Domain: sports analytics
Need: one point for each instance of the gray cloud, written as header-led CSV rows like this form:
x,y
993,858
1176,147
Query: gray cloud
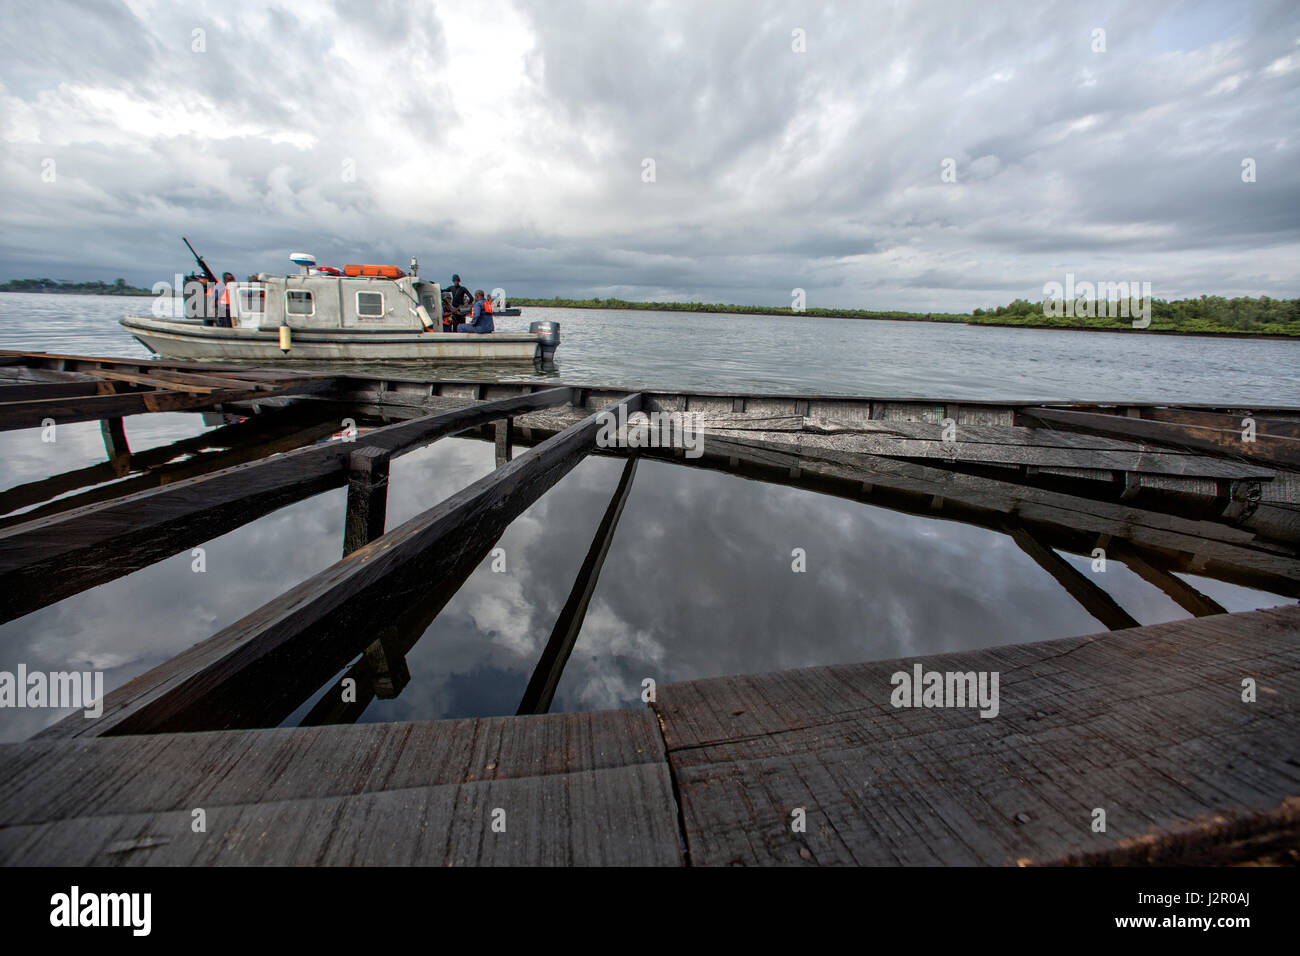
x,y
506,141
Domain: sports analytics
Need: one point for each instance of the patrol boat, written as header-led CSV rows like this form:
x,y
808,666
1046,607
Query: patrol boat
x,y
357,314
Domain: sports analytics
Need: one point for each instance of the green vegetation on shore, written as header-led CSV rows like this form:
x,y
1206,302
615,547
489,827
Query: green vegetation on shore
x,y
118,287
1208,315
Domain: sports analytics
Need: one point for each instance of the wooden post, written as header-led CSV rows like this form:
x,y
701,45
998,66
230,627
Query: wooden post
x,y
504,439
367,497
119,452
550,666
1182,593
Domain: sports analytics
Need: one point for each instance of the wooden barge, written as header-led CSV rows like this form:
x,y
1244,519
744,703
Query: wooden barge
x,y
1148,723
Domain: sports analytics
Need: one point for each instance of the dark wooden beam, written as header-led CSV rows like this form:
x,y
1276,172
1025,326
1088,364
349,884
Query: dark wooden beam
x,y
258,665
30,414
1094,600
47,559
550,666
1273,448
367,497
1182,593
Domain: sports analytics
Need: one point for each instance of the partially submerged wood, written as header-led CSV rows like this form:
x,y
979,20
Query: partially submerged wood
x,y
47,559
367,497
231,679
1087,592
550,665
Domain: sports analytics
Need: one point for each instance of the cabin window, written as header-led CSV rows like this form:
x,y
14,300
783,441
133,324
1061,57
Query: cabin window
x,y
252,300
299,302
370,305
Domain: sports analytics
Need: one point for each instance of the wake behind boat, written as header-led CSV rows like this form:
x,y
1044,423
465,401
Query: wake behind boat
x,y
359,313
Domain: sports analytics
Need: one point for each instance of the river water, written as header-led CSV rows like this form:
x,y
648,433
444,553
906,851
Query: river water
x,y
798,354
700,579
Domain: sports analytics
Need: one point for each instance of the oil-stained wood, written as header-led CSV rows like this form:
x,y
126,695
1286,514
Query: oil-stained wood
x,y
1146,724
45,560
576,789
550,665
315,628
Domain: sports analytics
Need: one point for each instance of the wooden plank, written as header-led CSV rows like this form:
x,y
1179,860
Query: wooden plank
x,y
315,628
1147,724
151,382
256,430
30,414
1278,427
45,560
44,390
1277,449
586,789
550,665
1084,590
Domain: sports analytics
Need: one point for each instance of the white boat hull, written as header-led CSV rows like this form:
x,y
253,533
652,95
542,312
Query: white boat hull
x,y
190,339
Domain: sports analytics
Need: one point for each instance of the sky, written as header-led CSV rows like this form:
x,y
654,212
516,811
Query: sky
x,y
936,156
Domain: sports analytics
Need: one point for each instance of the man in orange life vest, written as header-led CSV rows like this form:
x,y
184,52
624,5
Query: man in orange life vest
x,y
223,300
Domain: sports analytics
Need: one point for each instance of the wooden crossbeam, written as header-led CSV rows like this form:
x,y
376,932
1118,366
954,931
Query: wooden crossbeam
x,y
308,633
1084,590
31,414
45,560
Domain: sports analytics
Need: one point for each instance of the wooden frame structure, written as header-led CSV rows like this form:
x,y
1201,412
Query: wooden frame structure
x,y
1163,490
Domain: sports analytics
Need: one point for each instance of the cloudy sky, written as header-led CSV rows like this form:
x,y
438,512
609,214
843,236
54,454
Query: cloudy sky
x,y
510,142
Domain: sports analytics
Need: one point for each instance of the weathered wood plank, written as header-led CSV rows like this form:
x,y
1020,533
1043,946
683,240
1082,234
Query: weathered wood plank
x,y
587,789
550,665
1278,449
1147,724
45,560
315,628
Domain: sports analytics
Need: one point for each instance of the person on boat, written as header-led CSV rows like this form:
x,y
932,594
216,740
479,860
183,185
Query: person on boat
x,y
223,291
480,316
448,314
461,299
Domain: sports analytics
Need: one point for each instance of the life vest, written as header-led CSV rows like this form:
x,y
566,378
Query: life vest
x,y
487,306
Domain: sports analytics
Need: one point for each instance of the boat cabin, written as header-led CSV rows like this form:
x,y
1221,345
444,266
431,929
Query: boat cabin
x,y
359,297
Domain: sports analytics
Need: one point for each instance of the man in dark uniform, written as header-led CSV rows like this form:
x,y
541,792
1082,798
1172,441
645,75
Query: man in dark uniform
x,y
461,298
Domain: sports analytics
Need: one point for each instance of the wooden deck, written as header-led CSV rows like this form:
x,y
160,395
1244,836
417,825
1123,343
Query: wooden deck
x,y
1146,724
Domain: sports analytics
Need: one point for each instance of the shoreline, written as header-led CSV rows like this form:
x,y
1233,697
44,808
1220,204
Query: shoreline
x,y
949,318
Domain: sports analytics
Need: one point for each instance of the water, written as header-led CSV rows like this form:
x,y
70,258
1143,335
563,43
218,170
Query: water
x,y
797,354
698,581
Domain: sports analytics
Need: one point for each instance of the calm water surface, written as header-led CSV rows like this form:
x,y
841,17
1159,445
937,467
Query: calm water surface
x,y
797,354
698,580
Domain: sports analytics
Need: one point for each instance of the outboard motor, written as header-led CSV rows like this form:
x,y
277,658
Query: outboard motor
x,y
549,337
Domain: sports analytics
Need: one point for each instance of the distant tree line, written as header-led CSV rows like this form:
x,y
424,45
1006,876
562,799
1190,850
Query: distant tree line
x,y
1210,314
117,287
